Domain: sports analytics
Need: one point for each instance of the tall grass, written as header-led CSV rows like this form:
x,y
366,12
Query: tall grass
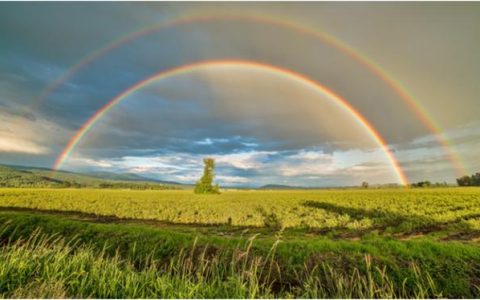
x,y
327,282
46,266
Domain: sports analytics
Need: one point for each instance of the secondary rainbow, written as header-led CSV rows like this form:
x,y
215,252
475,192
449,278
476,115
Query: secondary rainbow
x,y
286,73
407,97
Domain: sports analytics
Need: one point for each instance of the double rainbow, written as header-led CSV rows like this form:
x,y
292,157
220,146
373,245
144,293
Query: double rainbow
x,y
354,54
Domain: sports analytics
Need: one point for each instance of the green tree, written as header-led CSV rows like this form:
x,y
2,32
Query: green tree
x,y
205,184
473,180
422,184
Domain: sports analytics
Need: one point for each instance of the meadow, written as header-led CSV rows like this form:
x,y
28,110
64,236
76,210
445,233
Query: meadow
x,y
364,243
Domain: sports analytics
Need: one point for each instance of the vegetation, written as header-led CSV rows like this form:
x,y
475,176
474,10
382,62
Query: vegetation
x,y
473,180
317,243
135,186
111,260
43,178
391,211
422,184
205,184
50,267
10,177
428,184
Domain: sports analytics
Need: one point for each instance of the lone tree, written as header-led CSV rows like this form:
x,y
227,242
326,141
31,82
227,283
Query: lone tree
x,y
205,184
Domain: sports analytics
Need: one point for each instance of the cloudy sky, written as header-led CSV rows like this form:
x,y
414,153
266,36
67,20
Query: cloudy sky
x,y
260,126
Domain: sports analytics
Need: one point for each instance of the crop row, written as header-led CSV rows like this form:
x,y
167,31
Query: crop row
x,y
401,210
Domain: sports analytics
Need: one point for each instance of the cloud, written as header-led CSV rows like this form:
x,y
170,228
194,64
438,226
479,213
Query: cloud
x,y
18,111
424,158
21,134
219,119
133,62
229,180
307,163
90,162
18,145
256,123
244,160
251,168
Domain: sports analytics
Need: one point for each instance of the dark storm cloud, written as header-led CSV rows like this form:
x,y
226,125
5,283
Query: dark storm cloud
x,y
17,111
192,126
131,63
60,33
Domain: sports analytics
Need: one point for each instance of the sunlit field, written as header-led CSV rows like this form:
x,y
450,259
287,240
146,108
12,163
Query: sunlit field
x,y
395,210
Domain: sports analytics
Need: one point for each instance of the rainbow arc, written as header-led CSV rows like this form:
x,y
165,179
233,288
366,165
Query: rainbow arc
x,y
286,73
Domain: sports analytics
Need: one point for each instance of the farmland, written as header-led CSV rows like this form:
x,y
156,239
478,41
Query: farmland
x,y
395,210
321,243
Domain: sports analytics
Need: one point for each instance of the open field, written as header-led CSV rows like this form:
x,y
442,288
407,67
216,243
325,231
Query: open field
x,y
326,243
398,211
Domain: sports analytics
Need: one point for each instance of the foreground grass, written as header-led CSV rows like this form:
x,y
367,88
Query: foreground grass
x,y
48,266
72,258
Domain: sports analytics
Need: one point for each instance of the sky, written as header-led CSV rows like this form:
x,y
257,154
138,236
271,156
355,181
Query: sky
x,y
262,111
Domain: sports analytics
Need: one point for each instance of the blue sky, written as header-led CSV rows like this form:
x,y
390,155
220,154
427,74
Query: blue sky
x,y
260,128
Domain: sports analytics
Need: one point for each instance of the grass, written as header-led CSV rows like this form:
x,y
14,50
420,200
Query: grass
x,y
452,266
51,266
313,244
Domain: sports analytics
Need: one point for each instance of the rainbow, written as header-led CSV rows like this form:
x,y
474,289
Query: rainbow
x,y
289,74
404,94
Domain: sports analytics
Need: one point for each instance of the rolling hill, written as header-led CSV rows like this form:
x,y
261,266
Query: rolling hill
x,y
24,176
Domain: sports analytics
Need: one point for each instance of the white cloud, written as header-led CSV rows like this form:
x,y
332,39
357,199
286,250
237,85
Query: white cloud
x,y
303,167
244,160
81,161
27,134
185,178
232,179
9,143
307,163
311,155
210,141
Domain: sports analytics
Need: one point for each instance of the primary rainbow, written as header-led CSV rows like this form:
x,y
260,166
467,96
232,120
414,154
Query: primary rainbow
x,y
88,125
404,94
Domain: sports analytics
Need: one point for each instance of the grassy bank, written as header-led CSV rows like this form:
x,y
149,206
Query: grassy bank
x,y
299,267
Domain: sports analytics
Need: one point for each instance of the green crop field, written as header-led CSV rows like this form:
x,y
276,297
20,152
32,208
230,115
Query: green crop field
x,y
395,210
302,243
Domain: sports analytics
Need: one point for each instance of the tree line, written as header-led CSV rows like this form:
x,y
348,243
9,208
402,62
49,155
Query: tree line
x,y
473,180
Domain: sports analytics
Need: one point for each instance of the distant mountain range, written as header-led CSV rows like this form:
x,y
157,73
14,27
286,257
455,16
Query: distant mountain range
x,y
127,177
24,176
